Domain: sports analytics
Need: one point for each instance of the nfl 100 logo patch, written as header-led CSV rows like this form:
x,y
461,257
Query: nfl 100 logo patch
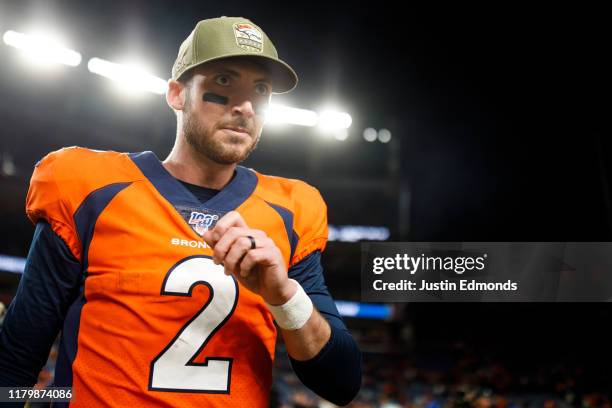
x,y
201,222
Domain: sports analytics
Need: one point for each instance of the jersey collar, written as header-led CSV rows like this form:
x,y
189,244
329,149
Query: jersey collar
x,y
228,199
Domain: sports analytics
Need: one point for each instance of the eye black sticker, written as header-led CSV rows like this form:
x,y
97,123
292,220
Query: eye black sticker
x,y
215,98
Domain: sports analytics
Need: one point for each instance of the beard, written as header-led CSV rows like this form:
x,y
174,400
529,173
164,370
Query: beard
x,y
227,150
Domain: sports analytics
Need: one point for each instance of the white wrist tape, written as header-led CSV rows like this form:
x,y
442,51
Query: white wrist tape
x,y
293,314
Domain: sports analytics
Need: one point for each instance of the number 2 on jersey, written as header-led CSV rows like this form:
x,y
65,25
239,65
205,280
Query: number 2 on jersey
x,y
174,369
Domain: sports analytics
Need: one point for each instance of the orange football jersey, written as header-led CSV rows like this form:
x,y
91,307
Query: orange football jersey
x,y
156,323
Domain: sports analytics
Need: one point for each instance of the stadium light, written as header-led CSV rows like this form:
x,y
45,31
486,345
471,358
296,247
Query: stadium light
x,y
370,134
8,166
341,134
354,233
331,120
330,123
12,263
384,136
42,49
364,310
131,77
280,114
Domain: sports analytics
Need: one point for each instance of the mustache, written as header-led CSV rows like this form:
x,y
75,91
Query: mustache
x,y
238,123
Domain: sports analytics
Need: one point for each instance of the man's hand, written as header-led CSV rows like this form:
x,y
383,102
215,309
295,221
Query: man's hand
x,y
261,270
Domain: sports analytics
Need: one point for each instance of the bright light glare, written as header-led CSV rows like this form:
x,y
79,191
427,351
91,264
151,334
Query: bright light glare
x,y
280,114
330,120
341,134
42,49
384,136
130,76
354,233
370,134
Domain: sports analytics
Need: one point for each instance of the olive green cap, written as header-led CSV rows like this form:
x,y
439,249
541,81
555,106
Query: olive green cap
x,y
225,37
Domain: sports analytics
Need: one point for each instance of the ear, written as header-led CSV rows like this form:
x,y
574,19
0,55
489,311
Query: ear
x,y
175,95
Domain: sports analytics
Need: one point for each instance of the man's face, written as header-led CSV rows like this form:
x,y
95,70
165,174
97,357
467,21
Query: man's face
x,y
226,133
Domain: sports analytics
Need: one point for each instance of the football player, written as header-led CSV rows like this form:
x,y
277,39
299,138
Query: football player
x,y
166,278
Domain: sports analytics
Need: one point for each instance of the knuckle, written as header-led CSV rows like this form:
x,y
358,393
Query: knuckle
x,y
218,251
234,216
246,263
228,216
229,262
251,257
245,243
218,231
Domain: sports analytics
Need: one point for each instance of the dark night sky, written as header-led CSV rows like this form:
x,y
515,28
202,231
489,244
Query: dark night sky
x,y
499,109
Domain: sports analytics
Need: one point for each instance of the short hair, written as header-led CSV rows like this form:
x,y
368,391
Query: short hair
x,y
187,76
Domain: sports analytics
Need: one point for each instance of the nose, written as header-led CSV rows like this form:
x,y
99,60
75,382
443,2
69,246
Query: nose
x,y
244,108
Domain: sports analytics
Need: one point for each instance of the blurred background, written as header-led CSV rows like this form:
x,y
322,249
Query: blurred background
x,y
420,123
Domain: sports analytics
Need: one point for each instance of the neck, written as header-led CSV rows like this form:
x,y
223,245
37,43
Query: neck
x,y
192,167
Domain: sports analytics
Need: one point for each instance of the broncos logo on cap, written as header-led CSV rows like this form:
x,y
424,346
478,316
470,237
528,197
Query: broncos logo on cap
x,y
248,37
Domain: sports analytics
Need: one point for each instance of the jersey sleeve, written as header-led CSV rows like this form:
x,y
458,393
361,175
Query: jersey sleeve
x,y
47,198
309,274
310,221
340,357
47,288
